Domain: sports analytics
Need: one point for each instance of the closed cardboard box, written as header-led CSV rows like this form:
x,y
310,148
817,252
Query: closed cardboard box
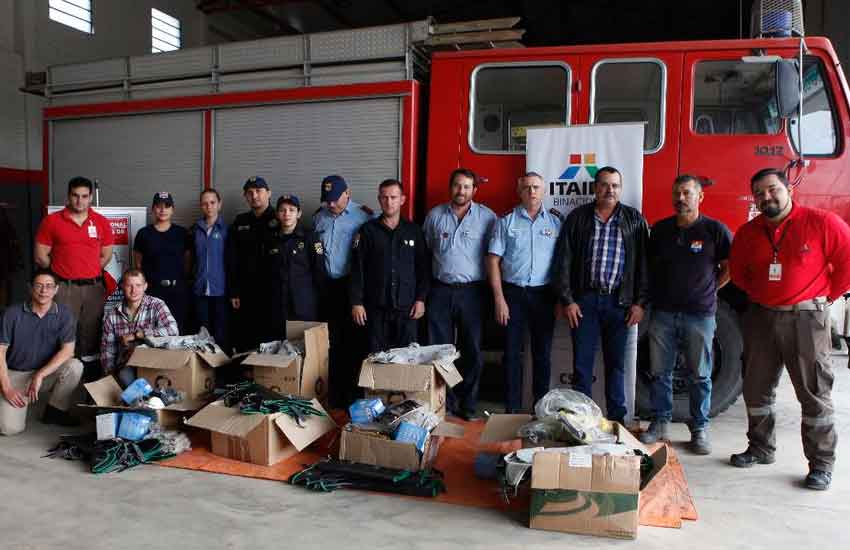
x,y
580,493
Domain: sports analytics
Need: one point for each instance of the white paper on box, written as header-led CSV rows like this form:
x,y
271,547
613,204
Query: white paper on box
x,y
107,426
580,460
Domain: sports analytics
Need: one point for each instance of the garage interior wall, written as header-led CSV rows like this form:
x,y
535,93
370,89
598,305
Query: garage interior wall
x,y
294,146
132,157
30,41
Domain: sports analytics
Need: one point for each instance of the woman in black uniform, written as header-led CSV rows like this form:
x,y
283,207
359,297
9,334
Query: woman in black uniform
x,y
161,251
297,263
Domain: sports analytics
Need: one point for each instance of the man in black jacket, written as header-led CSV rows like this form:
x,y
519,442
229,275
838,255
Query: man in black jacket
x,y
248,278
603,284
390,273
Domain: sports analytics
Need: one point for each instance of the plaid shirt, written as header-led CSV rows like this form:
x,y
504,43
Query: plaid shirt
x,y
152,318
607,253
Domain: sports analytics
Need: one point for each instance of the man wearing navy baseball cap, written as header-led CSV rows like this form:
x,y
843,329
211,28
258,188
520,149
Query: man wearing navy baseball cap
x,y
336,223
248,274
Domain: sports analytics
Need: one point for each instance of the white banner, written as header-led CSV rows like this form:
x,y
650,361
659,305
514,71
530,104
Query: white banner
x,y
569,157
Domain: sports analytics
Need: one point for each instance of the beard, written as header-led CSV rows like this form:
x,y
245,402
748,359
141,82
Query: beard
x,y
771,209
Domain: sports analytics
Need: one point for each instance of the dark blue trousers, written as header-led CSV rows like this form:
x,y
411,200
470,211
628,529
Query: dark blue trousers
x,y
602,317
459,309
532,308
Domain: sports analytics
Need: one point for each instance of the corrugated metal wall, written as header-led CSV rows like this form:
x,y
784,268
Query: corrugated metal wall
x,y
132,157
293,146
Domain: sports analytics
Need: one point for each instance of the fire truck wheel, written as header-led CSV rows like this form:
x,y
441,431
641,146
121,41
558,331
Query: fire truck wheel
x,y
726,374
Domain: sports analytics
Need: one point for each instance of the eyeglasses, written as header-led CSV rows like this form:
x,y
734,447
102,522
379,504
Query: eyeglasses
x,y
43,286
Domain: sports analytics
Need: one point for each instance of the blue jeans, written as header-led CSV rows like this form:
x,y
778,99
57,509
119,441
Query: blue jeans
x,y
459,309
692,336
532,307
602,317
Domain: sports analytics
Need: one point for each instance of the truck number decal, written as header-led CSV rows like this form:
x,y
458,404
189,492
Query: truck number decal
x,y
769,150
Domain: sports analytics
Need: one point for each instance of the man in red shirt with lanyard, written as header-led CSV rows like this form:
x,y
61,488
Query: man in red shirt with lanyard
x,y
793,262
76,243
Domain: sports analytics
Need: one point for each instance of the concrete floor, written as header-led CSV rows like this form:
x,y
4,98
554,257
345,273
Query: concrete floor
x,y
57,504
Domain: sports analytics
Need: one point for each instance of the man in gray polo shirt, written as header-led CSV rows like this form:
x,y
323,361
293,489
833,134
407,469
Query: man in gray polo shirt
x,y
37,353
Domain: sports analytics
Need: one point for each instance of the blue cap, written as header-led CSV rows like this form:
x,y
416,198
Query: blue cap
x,y
288,199
255,182
332,188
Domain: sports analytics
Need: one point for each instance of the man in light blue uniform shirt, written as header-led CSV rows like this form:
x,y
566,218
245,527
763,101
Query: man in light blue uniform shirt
x,y
336,223
457,234
519,267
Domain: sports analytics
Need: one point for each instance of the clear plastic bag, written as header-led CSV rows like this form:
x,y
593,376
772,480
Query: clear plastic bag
x,y
569,416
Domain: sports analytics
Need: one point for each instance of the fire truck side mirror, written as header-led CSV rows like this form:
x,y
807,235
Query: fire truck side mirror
x,y
787,87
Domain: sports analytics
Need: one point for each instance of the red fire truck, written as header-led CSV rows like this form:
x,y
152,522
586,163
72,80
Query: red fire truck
x,y
294,109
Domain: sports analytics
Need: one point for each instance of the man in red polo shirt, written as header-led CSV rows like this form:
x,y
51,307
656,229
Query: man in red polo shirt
x,y
76,243
793,262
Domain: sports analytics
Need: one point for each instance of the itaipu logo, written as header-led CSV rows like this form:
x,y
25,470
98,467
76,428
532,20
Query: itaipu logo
x,y
574,187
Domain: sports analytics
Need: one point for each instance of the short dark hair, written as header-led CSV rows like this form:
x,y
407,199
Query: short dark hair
x,y
465,172
80,181
765,172
133,272
389,182
44,271
532,174
211,190
607,170
685,178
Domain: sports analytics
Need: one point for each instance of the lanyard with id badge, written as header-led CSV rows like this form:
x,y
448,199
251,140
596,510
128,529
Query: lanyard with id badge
x,y
774,271
92,230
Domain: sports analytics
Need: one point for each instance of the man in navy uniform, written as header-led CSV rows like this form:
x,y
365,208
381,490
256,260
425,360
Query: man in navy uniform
x,y
248,277
457,233
390,273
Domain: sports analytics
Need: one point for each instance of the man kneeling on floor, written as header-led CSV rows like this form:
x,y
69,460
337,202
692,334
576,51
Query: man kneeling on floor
x,y
129,323
37,353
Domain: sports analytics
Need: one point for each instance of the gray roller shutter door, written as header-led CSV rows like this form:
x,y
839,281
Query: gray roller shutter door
x,y
132,157
293,146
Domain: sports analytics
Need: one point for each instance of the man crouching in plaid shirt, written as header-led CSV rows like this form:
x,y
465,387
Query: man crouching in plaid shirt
x,y
127,324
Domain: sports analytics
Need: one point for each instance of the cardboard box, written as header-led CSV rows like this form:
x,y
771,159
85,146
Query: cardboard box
x,y
307,376
395,382
106,394
578,493
364,449
188,371
262,439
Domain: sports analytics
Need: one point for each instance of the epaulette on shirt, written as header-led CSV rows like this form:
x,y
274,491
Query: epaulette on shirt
x,y
317,210
557,213
366,209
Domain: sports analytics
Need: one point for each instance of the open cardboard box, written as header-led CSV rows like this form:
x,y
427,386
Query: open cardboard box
x,y
263,439
579,493
106,394
396,382
400,455
307,376
184,370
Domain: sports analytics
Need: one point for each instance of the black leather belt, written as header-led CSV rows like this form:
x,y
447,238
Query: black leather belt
x,y
470,284
604,291
166,283
82,282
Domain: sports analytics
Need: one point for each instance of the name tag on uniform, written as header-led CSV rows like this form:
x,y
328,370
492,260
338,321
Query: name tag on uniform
x,y
92,231
774,273
547,232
